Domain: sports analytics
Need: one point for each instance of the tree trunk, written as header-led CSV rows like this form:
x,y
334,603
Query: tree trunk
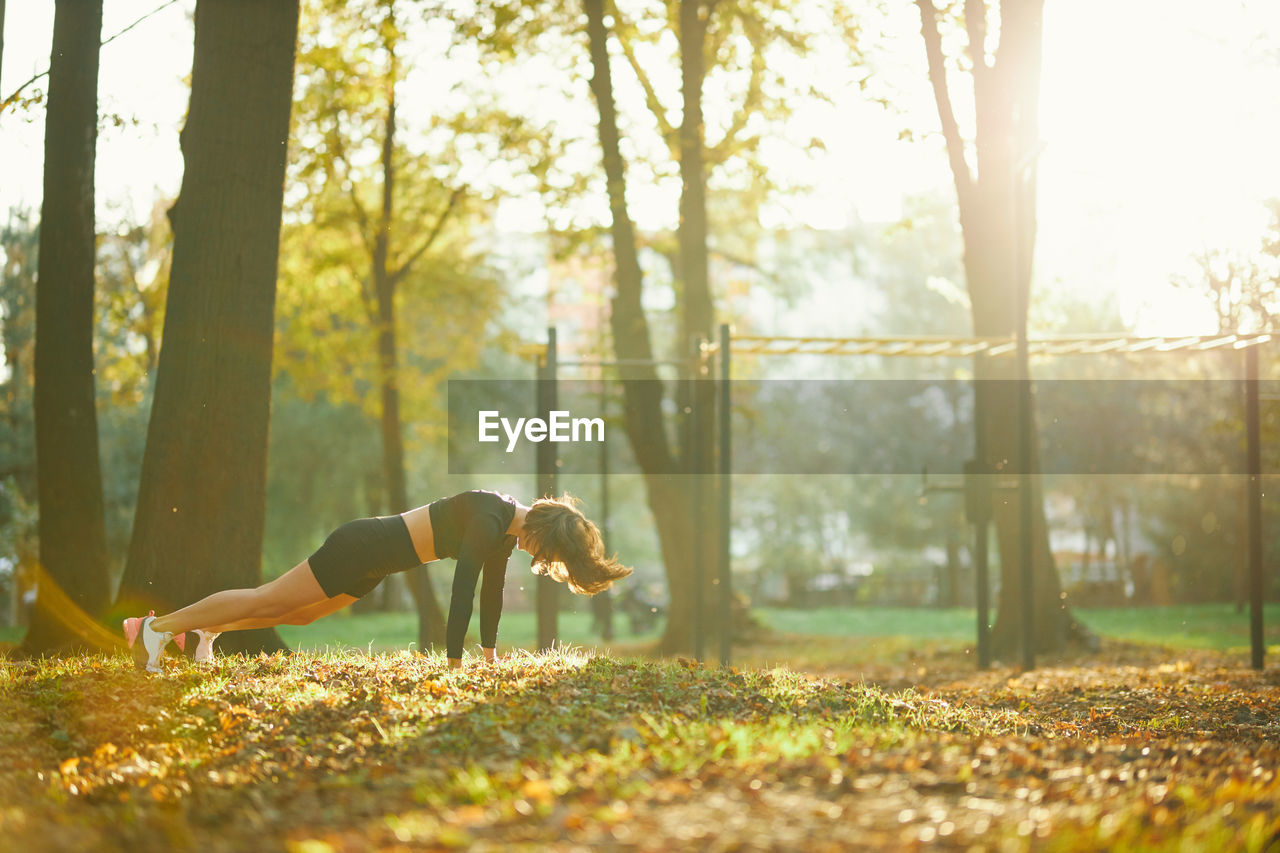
x,y
72,527
997,218
692,234
698,323
202,496
668,495
431,622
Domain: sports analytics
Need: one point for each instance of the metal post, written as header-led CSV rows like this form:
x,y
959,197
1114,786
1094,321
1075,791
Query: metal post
x,y
1026,521
1023,373
726,468
978,509
981,561
695,468
977,506
604,607
1257,643
547,589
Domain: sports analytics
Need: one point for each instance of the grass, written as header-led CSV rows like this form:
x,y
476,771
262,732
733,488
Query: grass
x,y
807,744
416,754
1199,626
943,624
1214,626
1192,626
567,750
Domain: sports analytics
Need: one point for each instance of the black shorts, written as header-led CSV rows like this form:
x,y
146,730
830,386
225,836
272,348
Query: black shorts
x,y
359,554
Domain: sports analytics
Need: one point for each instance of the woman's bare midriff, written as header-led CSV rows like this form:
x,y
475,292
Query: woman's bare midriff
x,y
419,523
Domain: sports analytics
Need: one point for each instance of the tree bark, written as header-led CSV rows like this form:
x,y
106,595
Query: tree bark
x,y
72,527
998,222
202,497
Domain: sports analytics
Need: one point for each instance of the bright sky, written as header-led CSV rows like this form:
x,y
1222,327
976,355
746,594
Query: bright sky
x,y
1160,122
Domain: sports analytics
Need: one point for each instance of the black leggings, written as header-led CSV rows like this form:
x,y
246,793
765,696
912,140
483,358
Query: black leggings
x,y
360,553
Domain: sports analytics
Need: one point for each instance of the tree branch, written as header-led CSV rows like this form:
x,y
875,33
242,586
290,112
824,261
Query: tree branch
x,y
362,218
665,128
338,157
975,24
369,301
744,262
404,269
18,91
938,79
718,153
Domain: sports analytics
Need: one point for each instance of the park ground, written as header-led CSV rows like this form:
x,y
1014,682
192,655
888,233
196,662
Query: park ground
x,y
874,735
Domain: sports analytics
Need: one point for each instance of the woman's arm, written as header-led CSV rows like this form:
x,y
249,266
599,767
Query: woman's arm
x,y
482,535
493,579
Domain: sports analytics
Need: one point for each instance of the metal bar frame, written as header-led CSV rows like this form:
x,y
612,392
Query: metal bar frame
x,y
928,346
934,346
547,590
1257,641
726,515
695,468
628,362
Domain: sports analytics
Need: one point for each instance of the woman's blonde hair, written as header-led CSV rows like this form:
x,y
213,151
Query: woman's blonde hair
x,y
566,546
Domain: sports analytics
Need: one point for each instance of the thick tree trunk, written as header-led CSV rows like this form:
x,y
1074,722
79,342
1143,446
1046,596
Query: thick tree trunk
x,y
201,501
73,544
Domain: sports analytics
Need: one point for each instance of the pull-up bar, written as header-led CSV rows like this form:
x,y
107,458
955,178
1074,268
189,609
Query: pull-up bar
x,y
628,362
934,346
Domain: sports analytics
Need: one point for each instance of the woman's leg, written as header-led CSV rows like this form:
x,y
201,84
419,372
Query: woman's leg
x,y
295,590
301,616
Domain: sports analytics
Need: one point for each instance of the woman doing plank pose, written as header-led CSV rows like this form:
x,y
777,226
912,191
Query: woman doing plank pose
x,y
478,528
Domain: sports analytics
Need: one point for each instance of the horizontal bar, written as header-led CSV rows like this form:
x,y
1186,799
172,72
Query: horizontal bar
x,y
937,345
627,362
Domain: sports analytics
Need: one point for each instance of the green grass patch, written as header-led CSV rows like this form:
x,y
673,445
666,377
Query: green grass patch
x,y
1190,626
946,624
1215,626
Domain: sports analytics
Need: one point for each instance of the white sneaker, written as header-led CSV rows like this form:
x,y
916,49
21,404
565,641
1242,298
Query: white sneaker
x,y
147,654
204,648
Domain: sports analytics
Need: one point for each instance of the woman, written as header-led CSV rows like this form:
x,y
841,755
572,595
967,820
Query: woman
x,y
478,528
